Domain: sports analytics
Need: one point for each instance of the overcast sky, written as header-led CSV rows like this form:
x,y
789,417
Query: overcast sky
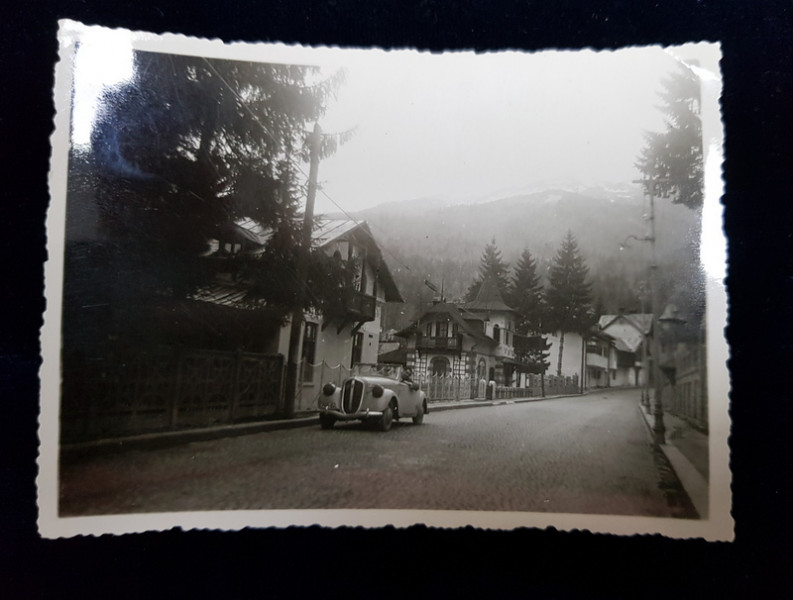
x,y
458,125
464,125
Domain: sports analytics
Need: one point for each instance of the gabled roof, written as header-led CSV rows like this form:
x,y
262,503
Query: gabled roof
x,y
226,294
328,231
324,233
628,330
488,298
622,346
642,322
453,313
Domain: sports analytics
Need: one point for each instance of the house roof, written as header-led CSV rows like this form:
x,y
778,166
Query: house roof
x,y
328,231
622,346
629,330
488,298
453,313
642,322
324,233
226,294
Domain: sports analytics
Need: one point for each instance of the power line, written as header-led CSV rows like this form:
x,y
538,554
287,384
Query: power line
x,y
297,166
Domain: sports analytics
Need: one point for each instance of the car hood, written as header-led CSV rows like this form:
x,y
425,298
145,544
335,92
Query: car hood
x,y
384,381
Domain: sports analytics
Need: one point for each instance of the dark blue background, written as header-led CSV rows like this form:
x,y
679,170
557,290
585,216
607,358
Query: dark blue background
x,y
757,106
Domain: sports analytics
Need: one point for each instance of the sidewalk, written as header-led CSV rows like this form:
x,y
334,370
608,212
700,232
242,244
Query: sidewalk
x,y
686,449
167,438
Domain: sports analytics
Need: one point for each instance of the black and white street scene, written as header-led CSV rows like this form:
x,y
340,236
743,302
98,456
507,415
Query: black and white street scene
x,y
432,285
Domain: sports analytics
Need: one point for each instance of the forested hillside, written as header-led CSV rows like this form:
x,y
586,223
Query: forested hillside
x,y
424,239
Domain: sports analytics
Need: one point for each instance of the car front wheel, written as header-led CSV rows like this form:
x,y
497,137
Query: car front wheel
x,y
388,418
326,421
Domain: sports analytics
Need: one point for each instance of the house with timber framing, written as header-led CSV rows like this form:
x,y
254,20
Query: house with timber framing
x,y
475,340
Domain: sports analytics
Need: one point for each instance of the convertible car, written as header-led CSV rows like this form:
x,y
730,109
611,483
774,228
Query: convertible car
x,y
374,394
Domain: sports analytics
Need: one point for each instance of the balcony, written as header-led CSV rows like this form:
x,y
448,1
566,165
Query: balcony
x,y
594,359
361,307
352,307
440,344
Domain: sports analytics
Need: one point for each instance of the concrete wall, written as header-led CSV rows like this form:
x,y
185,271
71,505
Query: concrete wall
x,y
571,354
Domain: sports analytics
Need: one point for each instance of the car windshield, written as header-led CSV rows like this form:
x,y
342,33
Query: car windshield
x,y
380,370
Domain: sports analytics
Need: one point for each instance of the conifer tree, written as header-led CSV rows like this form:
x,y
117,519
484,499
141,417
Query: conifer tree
x,y
675,156
568,297
491,264
526,294
185,149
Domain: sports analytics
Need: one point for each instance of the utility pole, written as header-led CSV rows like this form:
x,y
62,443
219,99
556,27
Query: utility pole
x,y
296,329
659,430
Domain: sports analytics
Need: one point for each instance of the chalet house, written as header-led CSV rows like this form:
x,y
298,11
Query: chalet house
x,y
627,363
331,344
601,360
475,339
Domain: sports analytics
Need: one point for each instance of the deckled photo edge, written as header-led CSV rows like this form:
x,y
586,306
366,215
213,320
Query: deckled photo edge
x,y
718,526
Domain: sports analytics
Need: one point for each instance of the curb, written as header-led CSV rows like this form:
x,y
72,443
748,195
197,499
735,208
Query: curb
x,y
694,484
480,403
171,438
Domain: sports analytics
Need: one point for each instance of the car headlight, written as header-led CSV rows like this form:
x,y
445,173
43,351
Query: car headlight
x,y
377,391
328,389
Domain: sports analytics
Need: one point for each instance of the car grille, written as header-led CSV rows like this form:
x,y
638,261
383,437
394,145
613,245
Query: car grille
x,y
351,396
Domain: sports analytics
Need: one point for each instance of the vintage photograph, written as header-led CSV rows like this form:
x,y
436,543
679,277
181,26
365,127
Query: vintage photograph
x,y
344,286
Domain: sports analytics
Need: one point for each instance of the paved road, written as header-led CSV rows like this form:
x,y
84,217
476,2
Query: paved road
x,y
587,454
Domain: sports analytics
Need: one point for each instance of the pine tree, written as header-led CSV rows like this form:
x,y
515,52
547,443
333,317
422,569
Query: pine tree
x,y
186,149
526,294
491,264
675,155
568,297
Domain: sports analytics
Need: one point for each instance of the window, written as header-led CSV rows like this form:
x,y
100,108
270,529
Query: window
x,y
497,334
439,366
309,351
429,330
357,349
443,329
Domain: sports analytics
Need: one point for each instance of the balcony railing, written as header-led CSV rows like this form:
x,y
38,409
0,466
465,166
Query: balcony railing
x,y
353,306
454,343
596,360
362,306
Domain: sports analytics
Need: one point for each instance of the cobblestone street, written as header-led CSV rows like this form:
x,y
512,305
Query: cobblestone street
x,y
587,454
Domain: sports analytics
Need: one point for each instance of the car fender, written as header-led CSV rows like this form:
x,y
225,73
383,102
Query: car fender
x,y
335,397
386,398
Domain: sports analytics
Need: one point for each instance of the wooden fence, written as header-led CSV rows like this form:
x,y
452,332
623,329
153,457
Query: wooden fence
x,y
166,389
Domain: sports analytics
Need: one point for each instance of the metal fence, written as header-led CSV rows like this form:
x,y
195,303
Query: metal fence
x,y
317,375
142,391
438,388
448,388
